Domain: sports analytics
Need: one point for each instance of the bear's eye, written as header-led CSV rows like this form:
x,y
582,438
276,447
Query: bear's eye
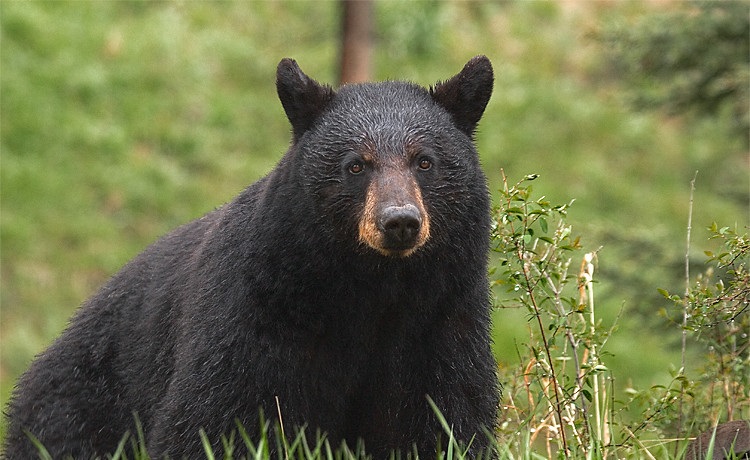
x,y
424,163
356,168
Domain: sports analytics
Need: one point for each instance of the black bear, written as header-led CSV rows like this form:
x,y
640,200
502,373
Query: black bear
x,y
343,291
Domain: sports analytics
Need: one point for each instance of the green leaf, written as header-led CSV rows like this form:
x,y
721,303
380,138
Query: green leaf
x,y
42,452
543,224
206,445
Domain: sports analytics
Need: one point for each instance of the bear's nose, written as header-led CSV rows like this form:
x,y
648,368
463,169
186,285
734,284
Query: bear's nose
x,y
400,226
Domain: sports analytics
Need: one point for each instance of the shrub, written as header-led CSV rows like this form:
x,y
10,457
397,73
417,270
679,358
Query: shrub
x,y
560,397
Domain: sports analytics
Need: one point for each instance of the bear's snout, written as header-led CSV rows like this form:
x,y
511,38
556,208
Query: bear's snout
x,y
394,221
400,226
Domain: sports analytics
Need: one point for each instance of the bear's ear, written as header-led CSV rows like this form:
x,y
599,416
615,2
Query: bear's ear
x,y
302,97
465,96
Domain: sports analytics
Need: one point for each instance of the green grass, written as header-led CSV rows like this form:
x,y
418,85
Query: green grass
x,y
121,120
271,444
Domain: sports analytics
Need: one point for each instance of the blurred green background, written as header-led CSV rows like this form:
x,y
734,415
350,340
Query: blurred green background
x,y
122,120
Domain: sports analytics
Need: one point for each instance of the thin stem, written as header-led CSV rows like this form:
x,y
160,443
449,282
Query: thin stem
x,y
558,404
538,315
587,276
578,393
685,312
281,424
687,270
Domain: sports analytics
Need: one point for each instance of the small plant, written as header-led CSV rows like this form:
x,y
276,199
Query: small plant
x,y
560,392
715,314
559,398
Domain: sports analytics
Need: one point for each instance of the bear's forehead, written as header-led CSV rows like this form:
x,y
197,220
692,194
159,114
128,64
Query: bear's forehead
x,y
386,99
395,91
387,108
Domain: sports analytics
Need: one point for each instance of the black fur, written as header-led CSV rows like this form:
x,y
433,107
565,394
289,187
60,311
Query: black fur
x,y
273,295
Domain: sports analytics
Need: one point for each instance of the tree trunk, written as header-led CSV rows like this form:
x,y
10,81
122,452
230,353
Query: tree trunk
x,y
356,41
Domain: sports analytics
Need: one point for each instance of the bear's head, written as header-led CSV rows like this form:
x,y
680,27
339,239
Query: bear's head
x,y
390,167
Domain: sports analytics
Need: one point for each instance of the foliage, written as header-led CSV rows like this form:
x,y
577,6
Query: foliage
x,y
693,59
558,393
560,397
716,314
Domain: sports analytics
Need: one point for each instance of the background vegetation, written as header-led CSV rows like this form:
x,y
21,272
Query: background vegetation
x,y
121,120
